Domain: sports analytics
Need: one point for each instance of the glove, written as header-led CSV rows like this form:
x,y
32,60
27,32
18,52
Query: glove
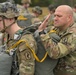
x,y
55,38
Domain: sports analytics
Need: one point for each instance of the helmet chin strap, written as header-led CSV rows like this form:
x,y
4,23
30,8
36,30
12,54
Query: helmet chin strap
x,y
5,27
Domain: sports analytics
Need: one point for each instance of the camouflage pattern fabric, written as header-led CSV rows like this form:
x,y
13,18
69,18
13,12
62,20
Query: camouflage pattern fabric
x,y
25,1
74,16
65,49
46,67
36,20
26,14
26,60
1,38
25,23
37,9
22,10
8,10
50,23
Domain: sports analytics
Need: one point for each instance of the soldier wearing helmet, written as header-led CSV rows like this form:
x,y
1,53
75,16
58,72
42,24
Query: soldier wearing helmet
x,y
7,13
7,10
25,5
25,16
51,10
11,1
16,44
25,1
37,11
74,9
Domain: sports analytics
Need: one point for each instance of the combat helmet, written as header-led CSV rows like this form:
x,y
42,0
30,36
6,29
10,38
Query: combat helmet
x,y
26,1
8,10
11,1
51,7
37,9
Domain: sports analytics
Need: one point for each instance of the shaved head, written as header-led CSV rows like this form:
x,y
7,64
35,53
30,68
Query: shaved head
x,y
63,17
66,9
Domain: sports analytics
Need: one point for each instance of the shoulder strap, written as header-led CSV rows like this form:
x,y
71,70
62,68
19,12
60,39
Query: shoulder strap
x,y
26,43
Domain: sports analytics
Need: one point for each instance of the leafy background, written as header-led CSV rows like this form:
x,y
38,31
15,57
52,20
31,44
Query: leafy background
x,y
47,2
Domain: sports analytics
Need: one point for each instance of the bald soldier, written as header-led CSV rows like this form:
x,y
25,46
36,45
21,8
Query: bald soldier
x,y
60,42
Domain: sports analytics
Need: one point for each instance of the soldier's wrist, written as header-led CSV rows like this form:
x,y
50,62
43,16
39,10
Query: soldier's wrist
x,y
42,32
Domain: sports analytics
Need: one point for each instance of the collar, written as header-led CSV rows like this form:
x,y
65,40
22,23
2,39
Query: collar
x,y
18,34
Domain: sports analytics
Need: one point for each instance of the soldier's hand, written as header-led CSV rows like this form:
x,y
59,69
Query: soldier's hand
x,y
54,37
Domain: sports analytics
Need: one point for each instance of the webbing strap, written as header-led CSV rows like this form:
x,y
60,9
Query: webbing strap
x,y
21,18
52,31
35,56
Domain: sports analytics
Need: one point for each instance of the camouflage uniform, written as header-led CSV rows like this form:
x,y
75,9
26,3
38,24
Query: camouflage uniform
x,y
46,67
1,39
27,21
50,23
36,10
62,45
25,13
51,9
25,1
11,1
23,59
74,16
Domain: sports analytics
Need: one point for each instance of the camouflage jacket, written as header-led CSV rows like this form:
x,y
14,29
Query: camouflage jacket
x,y
65,49
22,10
26,60
74,16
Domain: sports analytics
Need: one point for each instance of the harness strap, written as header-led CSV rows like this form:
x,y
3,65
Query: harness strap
x,y
35,56
52,31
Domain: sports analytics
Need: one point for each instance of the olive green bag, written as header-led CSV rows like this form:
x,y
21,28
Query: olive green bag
x,y
5,62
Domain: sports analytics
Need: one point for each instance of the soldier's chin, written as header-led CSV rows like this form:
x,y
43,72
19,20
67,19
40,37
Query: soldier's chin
x,y
56,26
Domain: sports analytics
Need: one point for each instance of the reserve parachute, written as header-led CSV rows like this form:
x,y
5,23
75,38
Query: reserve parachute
x,y
5,62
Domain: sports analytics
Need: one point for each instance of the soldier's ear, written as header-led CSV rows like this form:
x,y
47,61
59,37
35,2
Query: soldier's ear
x,y
69,18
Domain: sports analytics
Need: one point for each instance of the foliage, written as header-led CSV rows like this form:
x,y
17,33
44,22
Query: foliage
x,y
44,3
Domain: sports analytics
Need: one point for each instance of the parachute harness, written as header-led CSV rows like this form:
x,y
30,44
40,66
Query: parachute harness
x,y
28,46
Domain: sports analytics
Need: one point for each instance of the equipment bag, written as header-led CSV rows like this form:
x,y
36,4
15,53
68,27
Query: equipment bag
x,y
5,63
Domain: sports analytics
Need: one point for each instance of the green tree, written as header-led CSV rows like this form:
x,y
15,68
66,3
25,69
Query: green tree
x,y
47,2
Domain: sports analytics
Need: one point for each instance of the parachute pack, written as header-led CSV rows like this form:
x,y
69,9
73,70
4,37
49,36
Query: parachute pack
x,y
5,62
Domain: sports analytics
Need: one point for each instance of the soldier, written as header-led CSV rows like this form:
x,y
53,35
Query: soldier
x,y
51,9
37,11
11,1
46,64
20,44
74,9
60,42
26,4
24,19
